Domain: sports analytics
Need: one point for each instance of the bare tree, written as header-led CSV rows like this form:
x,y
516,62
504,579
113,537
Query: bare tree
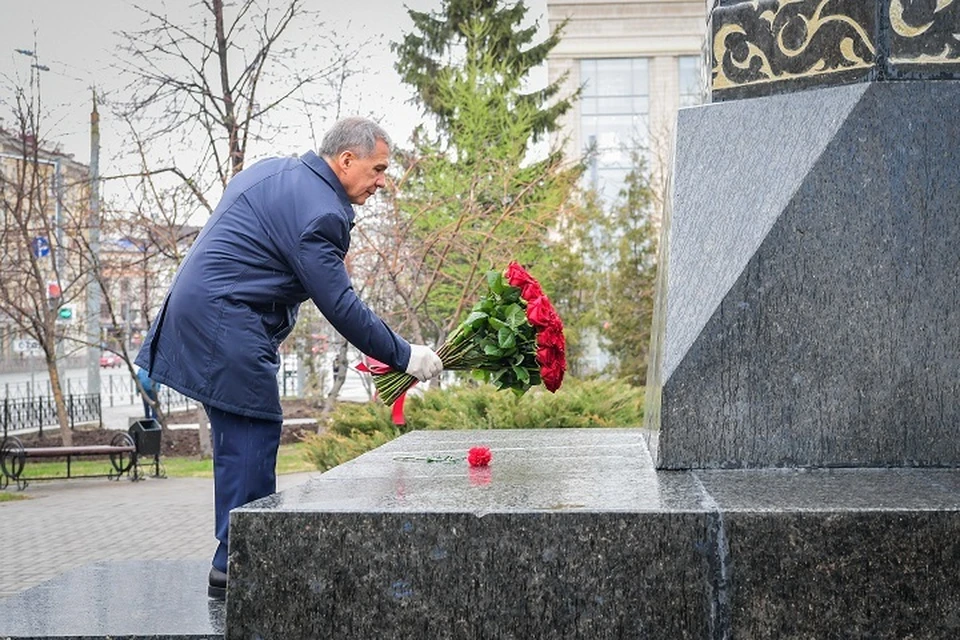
x,y
225,75
42,203
147,238
204,87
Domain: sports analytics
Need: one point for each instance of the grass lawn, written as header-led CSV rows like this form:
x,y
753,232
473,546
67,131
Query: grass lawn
x,y
289,460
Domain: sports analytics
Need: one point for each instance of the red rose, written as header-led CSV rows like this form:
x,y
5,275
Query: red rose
x,y
531,291
518,277
552,337
479,457
541,314
546,356
552,374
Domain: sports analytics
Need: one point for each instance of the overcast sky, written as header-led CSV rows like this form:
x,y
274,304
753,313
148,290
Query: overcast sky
x,y
77,40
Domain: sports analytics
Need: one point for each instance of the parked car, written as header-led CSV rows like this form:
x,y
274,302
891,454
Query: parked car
x,y
108,359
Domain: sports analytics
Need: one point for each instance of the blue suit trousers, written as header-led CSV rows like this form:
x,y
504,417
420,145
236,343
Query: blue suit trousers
x,y
244,467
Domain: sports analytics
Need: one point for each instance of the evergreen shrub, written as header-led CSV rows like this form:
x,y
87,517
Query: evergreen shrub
x,y
357,428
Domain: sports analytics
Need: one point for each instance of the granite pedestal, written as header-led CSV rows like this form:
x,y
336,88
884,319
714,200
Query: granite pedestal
x,y
800,475
808,312
575,534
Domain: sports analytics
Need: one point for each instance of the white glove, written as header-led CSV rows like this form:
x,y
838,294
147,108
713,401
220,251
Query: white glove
x,y
424,363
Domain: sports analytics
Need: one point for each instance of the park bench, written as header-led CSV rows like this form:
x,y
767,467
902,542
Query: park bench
x,y
123,452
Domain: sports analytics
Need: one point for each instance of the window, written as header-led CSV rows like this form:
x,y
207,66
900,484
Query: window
x,y
690,79
614,112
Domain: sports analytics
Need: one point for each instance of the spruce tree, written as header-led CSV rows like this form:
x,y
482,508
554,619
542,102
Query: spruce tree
x,y
627,299
458,37
471,196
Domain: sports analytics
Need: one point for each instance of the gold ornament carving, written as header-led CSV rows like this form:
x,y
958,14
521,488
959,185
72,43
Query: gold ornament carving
x,y
851,33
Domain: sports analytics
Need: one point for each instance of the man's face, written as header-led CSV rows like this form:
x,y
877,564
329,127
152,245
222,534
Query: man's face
x,y
361,177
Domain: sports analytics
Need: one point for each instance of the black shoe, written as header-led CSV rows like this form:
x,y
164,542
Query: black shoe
x,y
217,584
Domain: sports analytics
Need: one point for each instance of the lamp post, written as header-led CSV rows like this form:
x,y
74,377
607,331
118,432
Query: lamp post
x,y
92,319
93,286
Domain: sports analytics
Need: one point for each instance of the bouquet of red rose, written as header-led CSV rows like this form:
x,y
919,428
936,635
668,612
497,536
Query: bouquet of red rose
x,y
513,338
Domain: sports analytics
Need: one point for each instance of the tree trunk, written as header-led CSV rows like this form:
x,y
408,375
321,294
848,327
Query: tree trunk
x,y
340,376
229,108
203,432
63,417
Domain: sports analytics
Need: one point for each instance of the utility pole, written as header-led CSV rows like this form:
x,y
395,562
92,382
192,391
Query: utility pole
x,y
93,285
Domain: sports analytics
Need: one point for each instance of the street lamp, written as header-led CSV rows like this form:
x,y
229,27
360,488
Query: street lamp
x,y
93,289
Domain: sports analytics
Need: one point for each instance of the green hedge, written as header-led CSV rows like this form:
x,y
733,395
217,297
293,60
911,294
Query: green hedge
x,y
357,428
591,403
330,449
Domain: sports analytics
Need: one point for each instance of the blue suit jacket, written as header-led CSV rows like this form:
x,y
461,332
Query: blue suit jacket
x,y
278,237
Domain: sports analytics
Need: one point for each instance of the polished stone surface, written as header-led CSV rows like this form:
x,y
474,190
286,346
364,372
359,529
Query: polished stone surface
x,y
808,308
118,600
872,573
765,47
575,534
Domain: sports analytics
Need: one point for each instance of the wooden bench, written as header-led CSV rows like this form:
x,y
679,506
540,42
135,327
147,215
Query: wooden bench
x,y
122,452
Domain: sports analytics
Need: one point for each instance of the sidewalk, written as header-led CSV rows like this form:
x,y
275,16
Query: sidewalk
x,y
67,524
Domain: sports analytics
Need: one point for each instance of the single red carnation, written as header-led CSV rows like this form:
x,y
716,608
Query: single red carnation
x,y
479,456
541,314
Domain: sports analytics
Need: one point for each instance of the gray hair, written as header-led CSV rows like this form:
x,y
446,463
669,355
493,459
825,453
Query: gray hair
x,y
355,134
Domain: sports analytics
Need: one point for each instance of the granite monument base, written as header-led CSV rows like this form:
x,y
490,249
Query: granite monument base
x,y
807,305
575,534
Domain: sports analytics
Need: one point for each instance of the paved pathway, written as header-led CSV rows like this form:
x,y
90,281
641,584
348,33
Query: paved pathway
x,y
67,524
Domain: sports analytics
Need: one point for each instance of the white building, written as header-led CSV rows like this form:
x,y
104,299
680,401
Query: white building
x,y
638,63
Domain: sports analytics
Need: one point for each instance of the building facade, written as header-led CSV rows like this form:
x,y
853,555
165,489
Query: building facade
x,y
45,221
637,62
43,203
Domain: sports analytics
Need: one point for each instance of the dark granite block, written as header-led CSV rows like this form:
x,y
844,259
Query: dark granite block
x,y
809,309
455,575
569,537
766,47
389,546
124,600
857,574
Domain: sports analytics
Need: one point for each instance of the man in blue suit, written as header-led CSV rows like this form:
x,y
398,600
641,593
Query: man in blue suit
x,y
278,237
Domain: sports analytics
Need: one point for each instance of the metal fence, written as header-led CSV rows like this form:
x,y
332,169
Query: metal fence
x,y
39,412
119,389
170,399
116,391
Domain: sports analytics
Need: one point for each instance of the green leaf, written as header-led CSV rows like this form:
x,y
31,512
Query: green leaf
x,y
511,294
492,350
499,324
516,315
475,319
495,282
506,338
522,374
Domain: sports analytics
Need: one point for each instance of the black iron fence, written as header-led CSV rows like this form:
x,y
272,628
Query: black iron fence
x,y
39,412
